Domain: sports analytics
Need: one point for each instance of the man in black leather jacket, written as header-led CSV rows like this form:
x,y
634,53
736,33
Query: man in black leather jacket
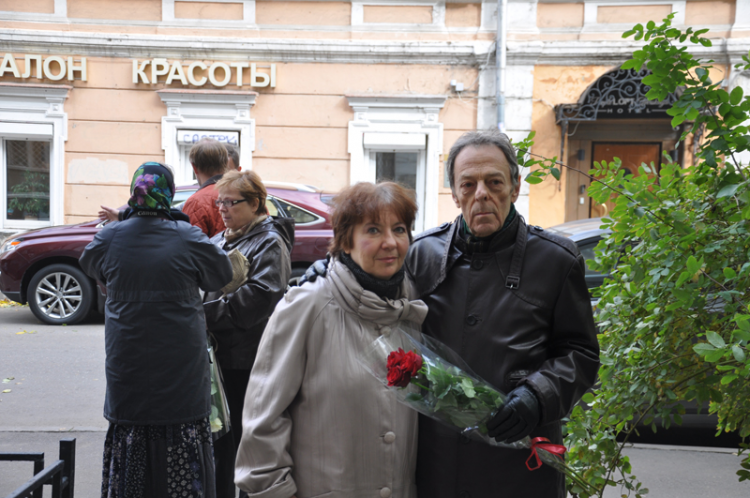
x,y
513,302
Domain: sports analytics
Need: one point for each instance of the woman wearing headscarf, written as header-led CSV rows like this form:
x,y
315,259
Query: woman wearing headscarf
x,y
236,320
316,424
158,389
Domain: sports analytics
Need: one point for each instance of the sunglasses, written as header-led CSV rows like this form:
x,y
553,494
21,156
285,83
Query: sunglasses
x,y
228,203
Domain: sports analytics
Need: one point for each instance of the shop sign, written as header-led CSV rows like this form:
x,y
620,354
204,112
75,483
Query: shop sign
x,y
155,71
53,67
189,137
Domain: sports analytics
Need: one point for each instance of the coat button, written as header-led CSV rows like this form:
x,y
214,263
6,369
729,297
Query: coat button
x,y
477,264
471,320
389,437
385,492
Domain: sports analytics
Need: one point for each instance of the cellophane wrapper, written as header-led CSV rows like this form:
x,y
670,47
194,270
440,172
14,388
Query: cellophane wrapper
x,y
448,381
219,417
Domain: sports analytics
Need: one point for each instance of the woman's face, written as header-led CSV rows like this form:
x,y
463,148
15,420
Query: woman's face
x,y
379,247
240,214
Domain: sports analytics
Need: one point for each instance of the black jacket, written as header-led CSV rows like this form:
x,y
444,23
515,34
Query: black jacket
x,y
237,321
155,335
540,333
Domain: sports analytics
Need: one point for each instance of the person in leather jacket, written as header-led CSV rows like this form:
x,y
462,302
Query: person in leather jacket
x,y
512,301
236,319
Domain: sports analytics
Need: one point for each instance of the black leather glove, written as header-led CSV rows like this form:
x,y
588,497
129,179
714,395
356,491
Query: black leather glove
x,y
516,418
318,268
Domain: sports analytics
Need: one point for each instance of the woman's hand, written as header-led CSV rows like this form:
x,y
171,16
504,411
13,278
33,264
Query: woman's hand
x,y
108,214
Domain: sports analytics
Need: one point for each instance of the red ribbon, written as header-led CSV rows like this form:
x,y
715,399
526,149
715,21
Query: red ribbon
x,y
543,443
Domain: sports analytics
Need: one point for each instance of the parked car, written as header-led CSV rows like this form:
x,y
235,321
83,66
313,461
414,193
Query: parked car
x,y
586,234
41,266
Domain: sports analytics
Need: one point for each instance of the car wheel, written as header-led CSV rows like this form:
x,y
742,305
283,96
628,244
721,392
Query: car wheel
x,y
60,294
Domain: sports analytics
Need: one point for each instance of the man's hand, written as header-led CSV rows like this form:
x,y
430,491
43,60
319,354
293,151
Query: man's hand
x,y
108,214
517,418
318,268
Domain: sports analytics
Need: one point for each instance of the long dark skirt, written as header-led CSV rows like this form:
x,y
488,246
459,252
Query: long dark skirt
x,y
159,461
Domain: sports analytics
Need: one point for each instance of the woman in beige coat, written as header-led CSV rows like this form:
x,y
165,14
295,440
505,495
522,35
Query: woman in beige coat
x,y
315,423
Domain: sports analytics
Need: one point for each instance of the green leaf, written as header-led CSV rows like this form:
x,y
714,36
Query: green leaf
x,y
588,398
692,265
729,273
727,379
739,353
678,120
715,339
727,190
533,180
714,356
650,25
701,73
556,173
703,348
467,386
678,216
736,96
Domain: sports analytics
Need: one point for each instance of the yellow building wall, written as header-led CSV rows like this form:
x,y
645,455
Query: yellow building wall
x,y
554,85
301,129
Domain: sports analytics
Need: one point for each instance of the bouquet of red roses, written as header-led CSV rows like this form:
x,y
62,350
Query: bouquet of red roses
x,y
429,377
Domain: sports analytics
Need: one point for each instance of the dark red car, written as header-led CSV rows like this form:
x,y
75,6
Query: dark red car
x,y
41,266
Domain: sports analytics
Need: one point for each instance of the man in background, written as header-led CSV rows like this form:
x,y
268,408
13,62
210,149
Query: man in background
x,y
234,158
209,160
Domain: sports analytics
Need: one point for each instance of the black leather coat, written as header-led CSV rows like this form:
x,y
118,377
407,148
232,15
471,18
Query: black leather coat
x,y
540,333
237,321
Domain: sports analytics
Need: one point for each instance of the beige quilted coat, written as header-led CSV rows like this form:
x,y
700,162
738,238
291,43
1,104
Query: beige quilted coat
x,y
315,423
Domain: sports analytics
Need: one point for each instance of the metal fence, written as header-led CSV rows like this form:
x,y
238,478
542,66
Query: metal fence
x,y
60,475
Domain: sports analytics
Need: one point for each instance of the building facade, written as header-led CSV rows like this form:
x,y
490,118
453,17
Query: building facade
x,y
324,93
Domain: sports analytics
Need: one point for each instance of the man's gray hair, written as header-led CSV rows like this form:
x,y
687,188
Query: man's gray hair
x,y
479,138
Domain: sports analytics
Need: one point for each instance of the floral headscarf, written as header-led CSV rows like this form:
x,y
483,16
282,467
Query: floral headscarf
x,y
152,187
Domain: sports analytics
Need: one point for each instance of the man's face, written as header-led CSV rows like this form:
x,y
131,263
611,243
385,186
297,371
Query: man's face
x,y
483,188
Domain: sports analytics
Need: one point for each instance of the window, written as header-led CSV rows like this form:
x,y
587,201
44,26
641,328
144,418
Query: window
x,y
406,168
399,138
300,216
27,174
193,114
593,278
33,129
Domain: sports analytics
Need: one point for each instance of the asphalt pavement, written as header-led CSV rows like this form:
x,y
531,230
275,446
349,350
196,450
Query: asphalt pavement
x,y
57,391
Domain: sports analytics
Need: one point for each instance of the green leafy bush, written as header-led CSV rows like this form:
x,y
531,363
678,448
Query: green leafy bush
x,y
675,316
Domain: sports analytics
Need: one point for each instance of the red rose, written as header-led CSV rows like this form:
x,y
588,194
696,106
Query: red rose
x,y
402,367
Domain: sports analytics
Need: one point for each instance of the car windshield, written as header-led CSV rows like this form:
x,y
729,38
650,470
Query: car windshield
x,y
181,196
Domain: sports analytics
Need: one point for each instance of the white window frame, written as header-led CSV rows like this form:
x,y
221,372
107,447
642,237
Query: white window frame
x,y
420,180
35,112
203,110
396,123
438,13
248,15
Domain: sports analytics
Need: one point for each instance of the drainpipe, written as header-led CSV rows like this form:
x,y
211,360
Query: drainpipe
x,y
500,64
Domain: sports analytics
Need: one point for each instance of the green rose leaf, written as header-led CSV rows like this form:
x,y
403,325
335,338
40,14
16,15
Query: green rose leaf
x,y
739,354
703,348
715,339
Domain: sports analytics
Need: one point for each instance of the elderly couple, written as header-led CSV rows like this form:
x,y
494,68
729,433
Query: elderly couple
x,y
510,299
